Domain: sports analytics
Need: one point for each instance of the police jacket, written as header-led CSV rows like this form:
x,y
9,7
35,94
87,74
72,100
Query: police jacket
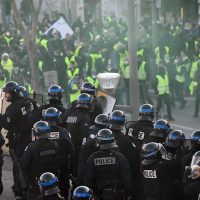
x,y
16,121
94,111
139,131
108,169
66,149
157,180
41,156
78,124
90,147
192,190
52,103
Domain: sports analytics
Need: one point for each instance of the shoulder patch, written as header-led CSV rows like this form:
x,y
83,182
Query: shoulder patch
x,y
54,135
72,120
149,174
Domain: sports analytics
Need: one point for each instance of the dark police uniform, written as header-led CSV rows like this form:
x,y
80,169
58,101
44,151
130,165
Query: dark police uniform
x,y
41,156
157,181
139,131
94,111
78,124
108,172
16,121
131,152
66,155
192,190
52,103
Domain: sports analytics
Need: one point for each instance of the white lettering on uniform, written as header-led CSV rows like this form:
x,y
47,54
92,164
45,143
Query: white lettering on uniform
x,y
130,132
141,135
23,109
71,120
54,135
149,174
104,161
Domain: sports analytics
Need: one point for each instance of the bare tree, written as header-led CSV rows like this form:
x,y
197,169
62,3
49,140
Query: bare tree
x,y
29,35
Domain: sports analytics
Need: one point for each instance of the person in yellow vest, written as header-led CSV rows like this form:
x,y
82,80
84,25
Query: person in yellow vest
x,y
73,77
8,39
7,65
195,90
2,78
179,82
161,87
194,66
125,71
93,79
143,78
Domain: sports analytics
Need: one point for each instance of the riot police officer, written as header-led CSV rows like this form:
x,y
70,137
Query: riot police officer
x,y
16,121
139,131
40,156
78,122
96,109
195,146
83,193
161,129
66,150
156,172
91,145
175,150
107,170
55,94
192,189
127,148
48,184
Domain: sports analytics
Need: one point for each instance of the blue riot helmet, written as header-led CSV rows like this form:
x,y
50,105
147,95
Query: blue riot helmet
x,y
195,139
152,152
117,120
147,112
41,129
101,120
51,115
161,129
88,88
12,88
106,139
23,91
175,139
84,101
48,184
55,92
82,193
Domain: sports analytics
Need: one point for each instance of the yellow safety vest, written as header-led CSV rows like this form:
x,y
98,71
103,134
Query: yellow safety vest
x,y
142,75
194,68
40,65
140,52
8,40
74,95
94,82
192,87
71,74
8,65
44,43
94,57
180,78
2,82
163,84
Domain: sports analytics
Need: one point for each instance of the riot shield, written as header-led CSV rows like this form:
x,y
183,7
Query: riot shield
x,y
106,101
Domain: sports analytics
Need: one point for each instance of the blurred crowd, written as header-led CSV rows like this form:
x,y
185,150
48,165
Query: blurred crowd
x,y
96,48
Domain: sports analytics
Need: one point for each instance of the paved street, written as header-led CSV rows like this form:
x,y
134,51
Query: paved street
x,y
184,121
